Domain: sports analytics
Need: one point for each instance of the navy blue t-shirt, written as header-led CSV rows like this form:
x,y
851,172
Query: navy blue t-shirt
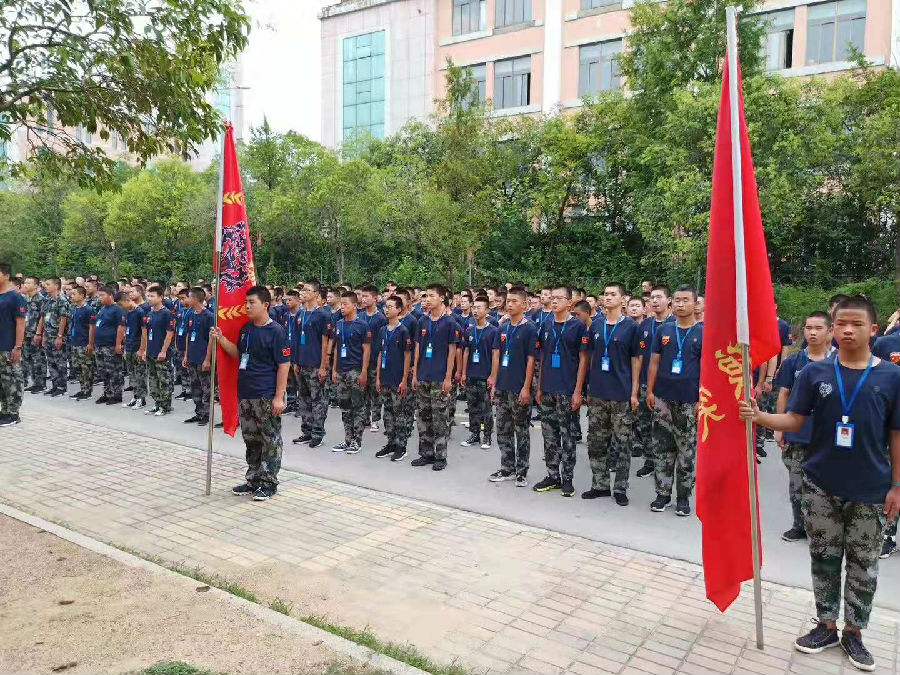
x,y
479,341
416,310
887,347
411,323
288,321
268,348
681,387
198,325
107,325
349,338
12,308
134,321
311,327
787,375
862,473
464,321
784,332
648,329
624,343
158,323
389,350
440,335
82,318
518,342
182,316
895,329
375,324
560,345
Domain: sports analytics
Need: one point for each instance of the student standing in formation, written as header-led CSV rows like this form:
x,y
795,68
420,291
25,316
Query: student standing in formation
x,y
817,332
197,358
477,360
12,337
80,321
393,355
288,316
156,340
887,348
375,320
34,365
435,357
182,313
636,310
562,344
613,386
311,358
673,388
263,355
851,475
350,371
512,369
51,329
106,340
643,436
135,366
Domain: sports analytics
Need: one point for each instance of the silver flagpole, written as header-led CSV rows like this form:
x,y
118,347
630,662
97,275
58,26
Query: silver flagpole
x,y
743,326
212,367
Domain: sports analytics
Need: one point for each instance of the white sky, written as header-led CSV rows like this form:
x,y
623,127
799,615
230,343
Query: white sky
x,y
282,66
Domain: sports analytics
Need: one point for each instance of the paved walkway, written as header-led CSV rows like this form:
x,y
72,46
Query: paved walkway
x,y
494,595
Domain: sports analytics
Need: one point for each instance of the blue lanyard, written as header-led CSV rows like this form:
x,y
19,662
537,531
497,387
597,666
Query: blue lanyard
x,y
343,337
302,319
291,320
680,339
477,336
653,327
431,327
558,337
859,385
544,315
511,335
387,340
606,338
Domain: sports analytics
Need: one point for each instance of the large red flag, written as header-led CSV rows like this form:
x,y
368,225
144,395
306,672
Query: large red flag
x,y
236,275
723,497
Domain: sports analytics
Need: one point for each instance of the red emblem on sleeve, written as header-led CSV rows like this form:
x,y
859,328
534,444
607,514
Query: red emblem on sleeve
x,y
666,339
286,351
643,345
895,357
584,340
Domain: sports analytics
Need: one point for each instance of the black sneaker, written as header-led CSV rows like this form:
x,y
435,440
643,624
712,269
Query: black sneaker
x,y
315,442
568,490
501,475
398,455
796,533
192,420
422,461
439,465
385,451
860,657
683,508
761,452
547,484
637,452
660,504
36,389
594,494
9,420
473,439
645,471
76,395
243,490
112,400
352,448
56,392
263,493
621,498
128,388
301,439
103,399
817,640
202,421
887,548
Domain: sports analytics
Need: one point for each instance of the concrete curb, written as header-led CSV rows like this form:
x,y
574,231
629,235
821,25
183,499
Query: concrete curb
x,y
336,643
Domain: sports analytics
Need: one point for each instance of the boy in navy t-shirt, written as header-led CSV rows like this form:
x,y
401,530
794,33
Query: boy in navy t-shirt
x,y
477,359
374,320
135,367
156,340
12,337
198,354
351,342
82,318
106,340
311,358
392,352
264,357
851,474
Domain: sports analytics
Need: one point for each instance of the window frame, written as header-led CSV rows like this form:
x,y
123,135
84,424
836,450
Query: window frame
x,y
516,81
816,27
503,8
586,84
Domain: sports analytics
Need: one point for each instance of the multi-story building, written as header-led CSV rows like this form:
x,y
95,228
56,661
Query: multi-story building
x,y
383,61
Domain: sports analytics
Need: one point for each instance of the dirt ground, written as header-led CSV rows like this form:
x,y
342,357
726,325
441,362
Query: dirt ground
x,y
66,609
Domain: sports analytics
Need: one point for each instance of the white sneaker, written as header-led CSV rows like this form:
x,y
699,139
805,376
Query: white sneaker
x,y
486,445
465,424
160,413
374,428
352,449
130,404
341,447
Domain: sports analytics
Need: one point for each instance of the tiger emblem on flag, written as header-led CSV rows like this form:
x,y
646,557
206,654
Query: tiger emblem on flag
x,y
235,258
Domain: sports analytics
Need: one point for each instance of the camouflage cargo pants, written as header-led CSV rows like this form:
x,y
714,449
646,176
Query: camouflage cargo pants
x,y
111,369
674,447
481,414
512,433
372,400
842,532
56,364
12,385
200,389
398,416
556,427
434,427
792,455
85,364
609,432
262,437
160,377
642,430
182,375
34,363
766,404
353,406
313,401
451,407
137,374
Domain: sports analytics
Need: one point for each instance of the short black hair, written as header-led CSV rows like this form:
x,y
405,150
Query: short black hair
x,y
858,302
109,290
260,292
567,289
583,306
687,288
293,293
155,289
6,269
616,284
663,288
395,300
483,298
350,295
183,291
198,294
370,289
819,315
120,296
80,290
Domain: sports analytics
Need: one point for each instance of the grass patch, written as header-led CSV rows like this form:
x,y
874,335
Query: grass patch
x,y
173,668
280,606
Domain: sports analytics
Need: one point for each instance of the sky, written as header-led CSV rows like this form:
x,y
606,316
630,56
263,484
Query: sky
x,y
282,66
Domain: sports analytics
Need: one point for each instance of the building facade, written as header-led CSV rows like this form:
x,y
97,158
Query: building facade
x,y
384,61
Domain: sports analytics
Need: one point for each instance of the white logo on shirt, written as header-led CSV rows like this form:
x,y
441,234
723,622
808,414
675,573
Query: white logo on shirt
x,y
825,389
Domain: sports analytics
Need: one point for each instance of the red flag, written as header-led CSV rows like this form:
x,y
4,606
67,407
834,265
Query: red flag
x,y
236,275
723,497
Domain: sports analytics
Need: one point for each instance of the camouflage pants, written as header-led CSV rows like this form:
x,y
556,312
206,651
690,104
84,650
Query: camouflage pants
x,y
512,433
839,532
609,431
353,406
262,437
766,404
481,414
575,421
674,445
137,374
85,364
34,363
111,369
160,376
182,375
12,385
199,380
434,427
291,390
372,400
451,407
313,401
398,416
792,456
556,427
56,364
642,430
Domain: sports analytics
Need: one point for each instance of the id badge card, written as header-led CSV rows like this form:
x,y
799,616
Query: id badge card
x,y
505,361
302,338
343,351
676,366
150,334
383,360
99,323
428,351
555,360
193,336
180,331
843,434
476,357
604,364
245,359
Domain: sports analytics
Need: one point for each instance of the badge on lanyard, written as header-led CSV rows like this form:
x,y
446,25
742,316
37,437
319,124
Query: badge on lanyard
x,y
505,361
676,366
180,331
555,360
843,433
476,357
428,351
99,322
302,338
150,334
193,336
343,351
844,430
604,360
384,359
245,359
604,364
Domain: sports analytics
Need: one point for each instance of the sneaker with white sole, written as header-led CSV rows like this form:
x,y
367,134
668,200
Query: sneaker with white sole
x,y
817,640
152,411
374,428
352,449
486,443
161,413
501,475
341,447
473,439
521,481
860,657
399,455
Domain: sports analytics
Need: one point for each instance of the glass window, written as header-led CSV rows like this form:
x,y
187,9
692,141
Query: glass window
x,y
778,43
363,87
479,84
599,68
594,4
469,16
512,12
832,27
512,83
